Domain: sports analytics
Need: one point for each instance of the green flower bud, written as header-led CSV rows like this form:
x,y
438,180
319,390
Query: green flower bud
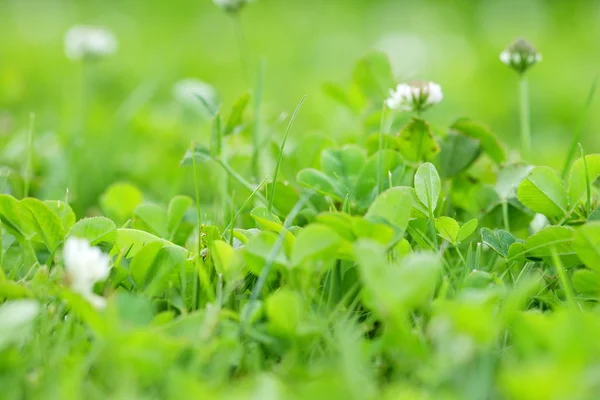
x,y
520,55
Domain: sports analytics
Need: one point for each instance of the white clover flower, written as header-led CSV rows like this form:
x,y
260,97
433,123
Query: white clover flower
x,y
195,93
231,5
520,55
82,41
417,96
85,266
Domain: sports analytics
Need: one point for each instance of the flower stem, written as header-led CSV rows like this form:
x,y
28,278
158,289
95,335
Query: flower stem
x,y
524,116
242,45
27,167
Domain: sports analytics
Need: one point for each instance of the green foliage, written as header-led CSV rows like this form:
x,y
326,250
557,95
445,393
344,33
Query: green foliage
x,y
398,259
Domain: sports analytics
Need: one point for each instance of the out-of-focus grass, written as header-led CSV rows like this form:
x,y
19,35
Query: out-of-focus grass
x,y
139,132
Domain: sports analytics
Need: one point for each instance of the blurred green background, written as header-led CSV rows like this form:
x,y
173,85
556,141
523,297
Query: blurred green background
x,y
136,131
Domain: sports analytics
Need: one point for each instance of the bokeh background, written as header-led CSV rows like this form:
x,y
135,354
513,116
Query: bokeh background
x,y
136,131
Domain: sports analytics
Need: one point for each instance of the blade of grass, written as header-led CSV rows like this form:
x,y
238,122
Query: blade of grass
x,y
281,148
239,211
588,186
262,279
564,280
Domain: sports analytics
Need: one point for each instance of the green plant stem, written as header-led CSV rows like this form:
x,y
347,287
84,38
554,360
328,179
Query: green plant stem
x,y
588,186
564,280
460,255
240,179
505,215
524,116
379,148
239,211
27,169
256,137
577,133
242,45
202,273
281,148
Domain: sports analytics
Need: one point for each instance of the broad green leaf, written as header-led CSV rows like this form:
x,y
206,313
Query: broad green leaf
x,y
258,251
314,241
542,192
344,164
499,241
509,178
200,153
466,230
271,222
373,77
488,140
132,240
560,238
595,215
587,245
577,178
393,207
16,218
178,206
448,228
388,142
516,251
151,218
586,282
395,287
416,142
337,93
457,153
64,212
12,290
141,262
46,223
340,222
223,256
119,201
284,310
237,114
96,230
286,196
428,186
155,268
321,183
379,232
385,162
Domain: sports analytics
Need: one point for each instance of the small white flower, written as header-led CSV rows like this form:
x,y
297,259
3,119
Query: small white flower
x,y
231,5
82,41
85,266
195,93
417,96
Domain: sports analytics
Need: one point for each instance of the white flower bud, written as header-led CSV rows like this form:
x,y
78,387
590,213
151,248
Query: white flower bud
x,y
89,42
196,94
231,6
520,56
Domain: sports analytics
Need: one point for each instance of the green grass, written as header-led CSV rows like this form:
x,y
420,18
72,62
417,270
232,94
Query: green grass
x,y
337,249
